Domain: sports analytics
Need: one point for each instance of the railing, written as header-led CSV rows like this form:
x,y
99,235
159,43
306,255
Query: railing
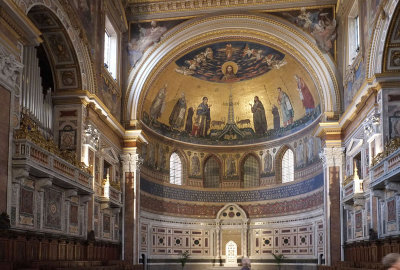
x,y
385,168
28,153
115,195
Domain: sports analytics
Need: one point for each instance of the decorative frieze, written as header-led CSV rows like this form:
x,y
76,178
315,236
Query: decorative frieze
x,y
10,68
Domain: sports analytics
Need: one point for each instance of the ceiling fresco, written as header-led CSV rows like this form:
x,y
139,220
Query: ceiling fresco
x,y
235,97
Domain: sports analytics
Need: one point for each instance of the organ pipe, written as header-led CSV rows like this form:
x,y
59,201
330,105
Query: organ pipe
x,y
34,101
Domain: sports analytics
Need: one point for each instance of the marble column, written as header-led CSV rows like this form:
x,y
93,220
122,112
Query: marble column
x,y
131,196
333,162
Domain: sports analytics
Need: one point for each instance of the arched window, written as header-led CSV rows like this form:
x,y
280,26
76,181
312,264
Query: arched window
x,y
251,172
287,166
175,169
211,173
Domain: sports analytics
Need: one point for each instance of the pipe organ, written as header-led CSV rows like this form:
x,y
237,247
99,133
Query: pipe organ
x,y
34,100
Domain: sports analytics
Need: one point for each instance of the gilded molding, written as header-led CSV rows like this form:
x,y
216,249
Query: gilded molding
x,y
140,7
280,30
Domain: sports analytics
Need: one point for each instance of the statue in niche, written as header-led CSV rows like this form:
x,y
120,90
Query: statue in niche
x,y
231,166
267,162
195,165
177,117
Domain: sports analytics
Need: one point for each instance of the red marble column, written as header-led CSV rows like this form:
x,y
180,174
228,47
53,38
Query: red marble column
x,y
334,197
129,216
4,145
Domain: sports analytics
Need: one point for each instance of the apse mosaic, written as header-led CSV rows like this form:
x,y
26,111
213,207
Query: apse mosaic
x,y
230,62
234,92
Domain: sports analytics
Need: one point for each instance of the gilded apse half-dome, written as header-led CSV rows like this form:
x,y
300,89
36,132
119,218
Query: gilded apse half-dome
x,y
231,92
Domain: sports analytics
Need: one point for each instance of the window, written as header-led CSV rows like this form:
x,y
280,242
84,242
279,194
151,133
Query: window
x,y
110,49
175,169
353,33
211,173
251,172
287,166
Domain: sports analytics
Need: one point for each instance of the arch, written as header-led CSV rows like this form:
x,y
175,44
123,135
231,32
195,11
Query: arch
x,y
73,31
377,44
278,162
185,163
231,207
250,171
391,44
287,166
59,49
212,172
175,169
265,28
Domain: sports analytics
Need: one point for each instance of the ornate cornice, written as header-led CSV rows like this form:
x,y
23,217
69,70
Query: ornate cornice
x,y
189,7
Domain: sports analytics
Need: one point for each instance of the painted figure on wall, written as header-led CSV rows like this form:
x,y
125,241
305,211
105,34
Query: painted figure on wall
x,y
259,120
300,154
146,38
310,150
231,166
177,117
228,51
319,23
195,165
162,162
305,95
189,120
286,108
151,156
324,32
203,118
277,119
229,69
158,105
267,162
